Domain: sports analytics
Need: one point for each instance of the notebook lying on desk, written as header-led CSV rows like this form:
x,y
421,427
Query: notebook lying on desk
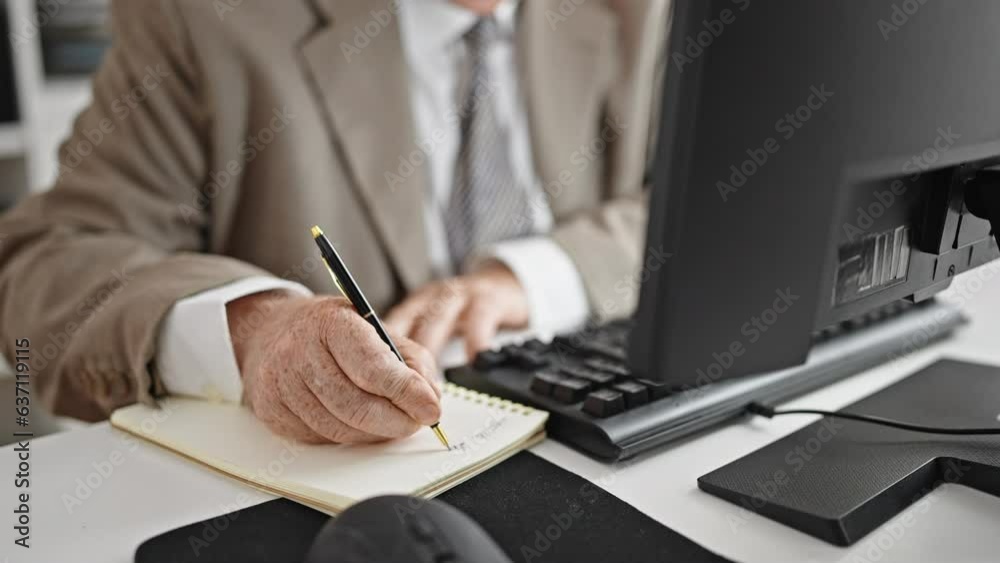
x,y
483,431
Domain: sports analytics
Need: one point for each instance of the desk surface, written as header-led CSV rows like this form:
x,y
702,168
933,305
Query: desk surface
x,y
96,493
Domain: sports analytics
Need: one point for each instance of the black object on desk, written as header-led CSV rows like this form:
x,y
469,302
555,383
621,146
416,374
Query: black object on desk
x,y
598,406
8,89
765,253
838,480
529,506
402,529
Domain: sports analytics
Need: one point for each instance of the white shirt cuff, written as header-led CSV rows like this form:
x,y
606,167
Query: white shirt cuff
x,y
556,295
195,354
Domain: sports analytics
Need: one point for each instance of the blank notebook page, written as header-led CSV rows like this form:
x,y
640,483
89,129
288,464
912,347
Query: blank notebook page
x,y
482,430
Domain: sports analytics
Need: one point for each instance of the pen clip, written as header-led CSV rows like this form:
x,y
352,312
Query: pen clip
x,y
340,287
336,281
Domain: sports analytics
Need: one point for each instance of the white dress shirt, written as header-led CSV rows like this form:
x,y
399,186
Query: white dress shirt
x,y
195,352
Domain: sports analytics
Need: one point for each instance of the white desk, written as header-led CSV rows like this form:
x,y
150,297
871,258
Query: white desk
x,y
151,491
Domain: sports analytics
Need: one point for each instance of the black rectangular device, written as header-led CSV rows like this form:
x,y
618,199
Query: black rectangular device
x,y
8,92
816,166
811,170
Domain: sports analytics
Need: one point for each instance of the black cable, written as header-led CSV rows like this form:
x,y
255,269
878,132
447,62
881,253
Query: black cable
x,y
769,412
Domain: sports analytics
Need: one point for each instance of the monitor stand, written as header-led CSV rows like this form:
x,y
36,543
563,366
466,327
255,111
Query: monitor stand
x,y
838,480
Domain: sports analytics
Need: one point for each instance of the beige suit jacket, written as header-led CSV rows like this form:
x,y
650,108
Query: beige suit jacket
x,y
221,131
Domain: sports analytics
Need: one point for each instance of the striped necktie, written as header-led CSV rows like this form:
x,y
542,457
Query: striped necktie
x,y
487,203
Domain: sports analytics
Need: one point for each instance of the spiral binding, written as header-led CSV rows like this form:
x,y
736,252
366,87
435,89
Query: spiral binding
x,y
489,401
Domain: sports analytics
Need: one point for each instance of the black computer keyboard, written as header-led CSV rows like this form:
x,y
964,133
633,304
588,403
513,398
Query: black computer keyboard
x,y
587,368
598,406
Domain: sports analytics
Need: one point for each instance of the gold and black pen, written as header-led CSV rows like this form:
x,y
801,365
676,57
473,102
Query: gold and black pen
x,y
344,281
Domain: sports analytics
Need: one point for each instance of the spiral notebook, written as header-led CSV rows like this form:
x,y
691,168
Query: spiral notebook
x,y
483,431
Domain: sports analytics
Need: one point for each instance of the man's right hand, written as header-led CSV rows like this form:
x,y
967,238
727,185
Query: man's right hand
x,y
315,371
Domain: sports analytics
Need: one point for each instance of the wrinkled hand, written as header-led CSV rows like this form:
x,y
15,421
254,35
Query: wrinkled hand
x,y
315,371
474,306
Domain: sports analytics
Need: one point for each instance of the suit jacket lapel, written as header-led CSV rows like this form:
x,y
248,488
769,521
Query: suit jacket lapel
x,y
561,60
358,73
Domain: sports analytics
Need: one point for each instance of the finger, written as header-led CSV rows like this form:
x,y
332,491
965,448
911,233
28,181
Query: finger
x,y
283,422
361,410
438,324
402,317
420,360
304,404
356,407
479,326
371,366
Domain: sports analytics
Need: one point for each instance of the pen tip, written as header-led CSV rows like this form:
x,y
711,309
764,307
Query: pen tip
x,y
316,231
440,434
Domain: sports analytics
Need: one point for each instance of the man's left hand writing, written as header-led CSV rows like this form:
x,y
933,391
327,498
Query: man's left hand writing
x,y
474,306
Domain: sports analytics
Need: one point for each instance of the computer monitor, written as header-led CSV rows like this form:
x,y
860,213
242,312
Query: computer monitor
x,y
8,93
812,168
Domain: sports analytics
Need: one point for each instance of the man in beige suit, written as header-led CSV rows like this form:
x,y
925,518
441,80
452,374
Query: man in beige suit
x,y
478,163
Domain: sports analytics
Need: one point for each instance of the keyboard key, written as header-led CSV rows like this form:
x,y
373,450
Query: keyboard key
x,y
614,368
657,389
570,390
566,342
489,359
594,376
615,338
602,349
544,381
619,338
635,393
526,359
604,403
534,345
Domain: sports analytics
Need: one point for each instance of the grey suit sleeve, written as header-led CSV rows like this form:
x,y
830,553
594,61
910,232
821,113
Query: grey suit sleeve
x,y
89,269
